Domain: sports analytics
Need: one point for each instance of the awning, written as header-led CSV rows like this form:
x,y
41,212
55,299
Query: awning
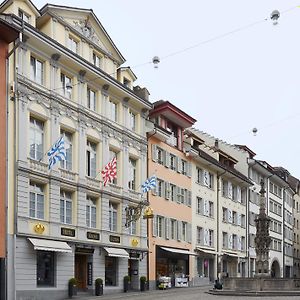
x,y
230,254
206,250
50,245
181,251
116,252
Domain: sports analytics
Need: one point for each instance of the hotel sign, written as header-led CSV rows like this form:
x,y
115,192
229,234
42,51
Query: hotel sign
x,y
67,232
114,239
93,236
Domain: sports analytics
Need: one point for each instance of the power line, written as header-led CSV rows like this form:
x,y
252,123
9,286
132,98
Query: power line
x,y
220,36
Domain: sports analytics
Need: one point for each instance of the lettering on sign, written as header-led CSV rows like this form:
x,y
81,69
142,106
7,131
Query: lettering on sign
x,y
84,250
93,236
114,239
90,273
67,232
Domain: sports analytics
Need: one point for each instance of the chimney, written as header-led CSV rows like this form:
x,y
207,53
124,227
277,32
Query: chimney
x,y
141,92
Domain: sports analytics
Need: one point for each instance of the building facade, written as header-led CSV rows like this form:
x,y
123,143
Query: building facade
x,y
8,34
68,82
170,240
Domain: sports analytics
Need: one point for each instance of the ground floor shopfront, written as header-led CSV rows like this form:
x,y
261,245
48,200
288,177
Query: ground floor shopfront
x,y
44,267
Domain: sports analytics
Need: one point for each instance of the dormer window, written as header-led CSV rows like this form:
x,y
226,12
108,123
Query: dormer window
x,y
24,16
126,82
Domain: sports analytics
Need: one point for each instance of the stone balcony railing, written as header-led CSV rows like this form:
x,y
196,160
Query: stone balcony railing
x,y
66,174
95,183
116,189
134,195
38,166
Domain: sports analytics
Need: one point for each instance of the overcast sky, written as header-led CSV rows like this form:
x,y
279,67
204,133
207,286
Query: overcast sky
x,y
230,85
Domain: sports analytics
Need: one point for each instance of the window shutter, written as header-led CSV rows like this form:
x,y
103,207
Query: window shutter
x,y
154,226
230,241
178,189
201,206
229,190
229,216
184,196
189,169
189,198
167,226
167,190
206,208
239,243
163,189
238,194
239,219
178,161
154,152
179,230
167,159
206,237
164,158
189,233
155,190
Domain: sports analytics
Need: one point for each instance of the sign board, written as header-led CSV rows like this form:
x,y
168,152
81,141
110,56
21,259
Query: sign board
x,y
67,231
89,273
93,236
114,239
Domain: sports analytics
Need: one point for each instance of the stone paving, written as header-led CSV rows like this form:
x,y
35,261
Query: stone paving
x,y
181,294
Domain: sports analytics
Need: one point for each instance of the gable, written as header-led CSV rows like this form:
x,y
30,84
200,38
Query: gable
x,y
85,23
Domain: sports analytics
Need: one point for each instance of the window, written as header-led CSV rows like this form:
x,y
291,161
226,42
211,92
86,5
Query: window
x,y
160,188
234,218
234,241
91,99
91,212
65,82
210,238
67,163
65,207
113,112
183,167
243,243
132,174
199,235
96,60
24,16
110,271
225,215
36,139
225,240
276,190
172,162
184,231
132,120
243,221
45,268
126,82
160,226
36,206
173,229
132,227
199,206
72,44
173,192
113,213
225,188
160,156
36,70
91,159
211,209
199,175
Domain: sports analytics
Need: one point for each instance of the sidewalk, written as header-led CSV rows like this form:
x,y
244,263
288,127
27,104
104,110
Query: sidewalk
x,y
138,295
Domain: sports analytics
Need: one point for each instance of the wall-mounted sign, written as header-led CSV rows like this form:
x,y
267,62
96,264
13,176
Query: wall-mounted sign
x,y
93,236
67,232
89,273
84,250
39,228
134,242
134,255
114,239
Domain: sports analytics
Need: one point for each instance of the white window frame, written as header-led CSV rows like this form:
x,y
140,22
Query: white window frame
x,y
36,70
36,130
132,182
91,212
132,120
66,207
91,159
67,164
36,194
91,99
65,80
113,111
73,44
113,216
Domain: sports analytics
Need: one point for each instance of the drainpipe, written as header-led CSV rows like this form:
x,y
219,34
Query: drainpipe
x,y
218,224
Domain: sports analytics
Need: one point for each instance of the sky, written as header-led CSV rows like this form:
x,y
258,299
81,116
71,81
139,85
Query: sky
x,y
231,84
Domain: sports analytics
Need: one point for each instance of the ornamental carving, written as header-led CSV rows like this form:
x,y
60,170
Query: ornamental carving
x,y
85,28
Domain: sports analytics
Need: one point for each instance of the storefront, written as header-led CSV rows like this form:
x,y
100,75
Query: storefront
x,y
229,265
172,264
205,267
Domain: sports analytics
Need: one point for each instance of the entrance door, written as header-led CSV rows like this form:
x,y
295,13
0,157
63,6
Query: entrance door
x,y
81,270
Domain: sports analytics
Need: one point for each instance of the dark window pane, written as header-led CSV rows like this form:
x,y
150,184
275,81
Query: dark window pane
x,y
45,268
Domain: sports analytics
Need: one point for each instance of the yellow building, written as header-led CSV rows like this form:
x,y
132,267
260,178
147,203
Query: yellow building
x,y
66,80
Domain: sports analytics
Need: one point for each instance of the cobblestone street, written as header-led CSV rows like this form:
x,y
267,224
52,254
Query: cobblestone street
x,y
181,294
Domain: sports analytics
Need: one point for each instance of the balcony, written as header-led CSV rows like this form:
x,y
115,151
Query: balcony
x,y
95,183
115,189
66,174
134,195
172,141
38,166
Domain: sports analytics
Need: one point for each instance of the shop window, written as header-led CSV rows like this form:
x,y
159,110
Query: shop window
x,y
45,268
110,271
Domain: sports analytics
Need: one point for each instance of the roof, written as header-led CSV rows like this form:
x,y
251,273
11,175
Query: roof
x,y
7,3
47,7
247,149
8,33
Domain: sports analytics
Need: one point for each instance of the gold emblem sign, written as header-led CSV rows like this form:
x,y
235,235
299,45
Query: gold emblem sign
x,y
148,213
134,242
39,228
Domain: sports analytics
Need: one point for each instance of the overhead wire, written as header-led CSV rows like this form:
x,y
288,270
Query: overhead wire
x,y
220,36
